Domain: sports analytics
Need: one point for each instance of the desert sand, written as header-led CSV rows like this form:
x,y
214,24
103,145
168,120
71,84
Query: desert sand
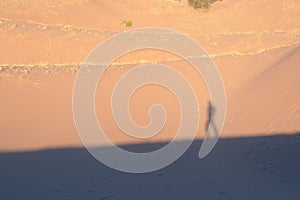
x,y
255,45
238,168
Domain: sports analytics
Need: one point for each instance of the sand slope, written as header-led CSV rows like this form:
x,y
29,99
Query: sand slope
x,y
270,101
255,44
239,168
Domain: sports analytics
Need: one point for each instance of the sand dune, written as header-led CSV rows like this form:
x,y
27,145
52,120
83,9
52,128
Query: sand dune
x,y
256,47
254,44
238,168
270,101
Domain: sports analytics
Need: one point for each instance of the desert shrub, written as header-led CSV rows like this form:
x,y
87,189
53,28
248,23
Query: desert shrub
x,y
202,4
128,23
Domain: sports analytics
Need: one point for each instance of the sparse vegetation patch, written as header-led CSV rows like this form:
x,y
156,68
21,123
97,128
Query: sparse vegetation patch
x,y
201,4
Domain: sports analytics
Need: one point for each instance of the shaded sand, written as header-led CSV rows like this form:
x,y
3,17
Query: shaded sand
x,y
256,46
239,168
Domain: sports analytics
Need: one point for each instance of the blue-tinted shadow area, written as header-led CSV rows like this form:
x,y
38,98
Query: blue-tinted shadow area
x,y
237,168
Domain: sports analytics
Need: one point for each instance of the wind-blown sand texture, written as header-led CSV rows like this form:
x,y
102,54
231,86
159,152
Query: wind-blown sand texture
x,y
255,45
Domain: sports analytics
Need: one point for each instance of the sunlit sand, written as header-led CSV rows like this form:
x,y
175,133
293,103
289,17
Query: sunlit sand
x,y
254,44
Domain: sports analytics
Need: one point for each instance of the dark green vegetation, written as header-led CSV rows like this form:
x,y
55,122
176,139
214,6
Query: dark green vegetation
x,y
202,4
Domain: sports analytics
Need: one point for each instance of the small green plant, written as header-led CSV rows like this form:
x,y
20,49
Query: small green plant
x,y
204,10
128,23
